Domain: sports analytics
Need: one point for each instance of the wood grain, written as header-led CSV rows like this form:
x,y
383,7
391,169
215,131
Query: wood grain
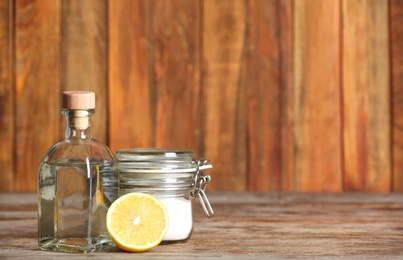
x,y
396,51
130,75
84,55
247,226
38,90
317,98
268,45
285,34
294,95
223,92
176,32
7,127
366,96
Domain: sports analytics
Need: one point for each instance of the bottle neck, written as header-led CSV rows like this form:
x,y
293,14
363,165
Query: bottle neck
x,y
78,123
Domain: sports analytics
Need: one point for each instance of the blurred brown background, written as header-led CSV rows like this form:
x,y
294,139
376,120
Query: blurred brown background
x,y
293,95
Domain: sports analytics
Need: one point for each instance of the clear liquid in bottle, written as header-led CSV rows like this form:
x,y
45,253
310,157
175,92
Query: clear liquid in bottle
x,y
77,182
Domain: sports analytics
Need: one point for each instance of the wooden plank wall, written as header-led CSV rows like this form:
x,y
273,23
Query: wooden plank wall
x,y
292,95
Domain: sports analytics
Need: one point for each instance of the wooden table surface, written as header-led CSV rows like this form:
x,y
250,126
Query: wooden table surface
x,y
247,225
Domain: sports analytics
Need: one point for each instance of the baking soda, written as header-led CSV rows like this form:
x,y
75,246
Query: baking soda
x,y
180,218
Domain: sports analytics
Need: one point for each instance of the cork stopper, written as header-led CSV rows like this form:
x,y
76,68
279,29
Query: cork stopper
x,y
77,100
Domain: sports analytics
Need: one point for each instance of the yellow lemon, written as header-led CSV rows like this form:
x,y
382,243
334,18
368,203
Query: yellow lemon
x,y
137,222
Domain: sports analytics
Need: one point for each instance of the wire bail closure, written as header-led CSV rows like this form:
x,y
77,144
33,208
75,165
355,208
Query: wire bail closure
x,y
200,183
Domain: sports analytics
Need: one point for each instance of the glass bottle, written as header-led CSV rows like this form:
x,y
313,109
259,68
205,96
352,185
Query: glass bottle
x,y
171,175
77,182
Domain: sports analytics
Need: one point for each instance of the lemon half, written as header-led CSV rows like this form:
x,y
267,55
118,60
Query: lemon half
x,y
137,222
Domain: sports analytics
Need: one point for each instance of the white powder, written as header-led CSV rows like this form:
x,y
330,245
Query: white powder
x,y
180,218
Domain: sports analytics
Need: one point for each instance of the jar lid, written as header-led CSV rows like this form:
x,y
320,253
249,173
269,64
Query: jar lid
x,y
154,154
156,160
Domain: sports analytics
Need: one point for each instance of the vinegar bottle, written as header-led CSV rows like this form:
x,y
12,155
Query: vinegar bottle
x,y
77,182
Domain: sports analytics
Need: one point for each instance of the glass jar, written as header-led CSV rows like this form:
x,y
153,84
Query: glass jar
x,y
174,177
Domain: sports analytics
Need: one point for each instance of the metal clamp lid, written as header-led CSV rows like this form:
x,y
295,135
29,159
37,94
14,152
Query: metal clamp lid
x,y
200,183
